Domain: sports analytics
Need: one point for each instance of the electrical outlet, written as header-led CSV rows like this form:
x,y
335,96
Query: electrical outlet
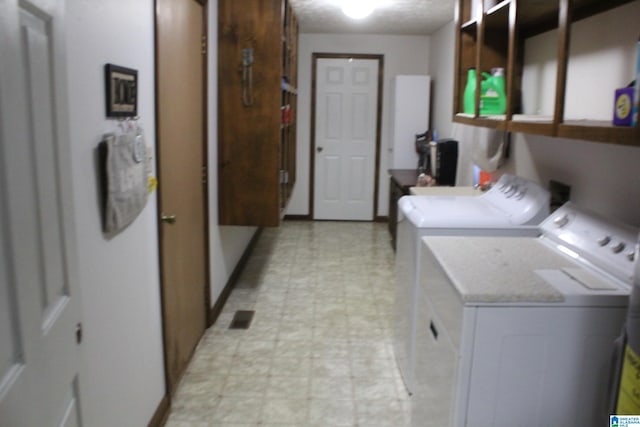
x,y
560,194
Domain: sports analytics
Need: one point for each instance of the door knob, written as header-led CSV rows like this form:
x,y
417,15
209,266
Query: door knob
x,y
319,149
168,219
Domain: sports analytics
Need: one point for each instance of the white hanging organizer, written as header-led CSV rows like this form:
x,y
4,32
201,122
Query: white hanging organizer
x,y
127,169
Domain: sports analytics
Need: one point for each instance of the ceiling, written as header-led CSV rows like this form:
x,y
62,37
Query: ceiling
x,y
402,17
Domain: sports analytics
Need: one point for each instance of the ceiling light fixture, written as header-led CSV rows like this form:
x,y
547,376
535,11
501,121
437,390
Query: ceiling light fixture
x,y
358,9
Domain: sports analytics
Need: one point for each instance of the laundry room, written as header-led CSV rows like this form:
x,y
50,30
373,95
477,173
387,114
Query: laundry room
x,y
406,213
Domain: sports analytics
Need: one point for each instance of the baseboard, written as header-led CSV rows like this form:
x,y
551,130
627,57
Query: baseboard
x,y
298,217
308,218
162,413
215,311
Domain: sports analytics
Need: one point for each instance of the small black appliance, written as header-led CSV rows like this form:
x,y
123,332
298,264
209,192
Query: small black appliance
x,y
438,159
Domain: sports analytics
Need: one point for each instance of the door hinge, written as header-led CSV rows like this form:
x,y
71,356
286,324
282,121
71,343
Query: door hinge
x,y
78,333
204,175
204,45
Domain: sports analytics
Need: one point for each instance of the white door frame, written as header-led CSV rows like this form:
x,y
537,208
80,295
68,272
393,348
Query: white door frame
x,y
314,66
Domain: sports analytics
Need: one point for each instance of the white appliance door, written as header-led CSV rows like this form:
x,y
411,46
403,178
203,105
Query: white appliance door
x,y
404,298
435,370
546,365
345,138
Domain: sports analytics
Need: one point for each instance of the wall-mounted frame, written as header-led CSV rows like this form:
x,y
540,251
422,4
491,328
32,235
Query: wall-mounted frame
x,y
121,90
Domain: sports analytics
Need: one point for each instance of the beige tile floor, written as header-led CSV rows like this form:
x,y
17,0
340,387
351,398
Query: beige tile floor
x,y
318,352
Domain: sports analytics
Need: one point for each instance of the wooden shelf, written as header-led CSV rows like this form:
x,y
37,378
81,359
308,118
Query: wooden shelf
x,y
537,125
470,26
599,132
498,16
257,152
498,123
536,18
496,39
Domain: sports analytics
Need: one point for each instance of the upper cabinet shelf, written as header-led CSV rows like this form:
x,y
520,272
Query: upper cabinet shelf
x,y
562,61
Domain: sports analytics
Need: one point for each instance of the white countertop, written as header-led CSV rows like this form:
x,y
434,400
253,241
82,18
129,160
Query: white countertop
x,y
444,191
498,269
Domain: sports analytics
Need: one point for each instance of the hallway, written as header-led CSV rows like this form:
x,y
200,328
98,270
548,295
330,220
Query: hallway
x,y
318,352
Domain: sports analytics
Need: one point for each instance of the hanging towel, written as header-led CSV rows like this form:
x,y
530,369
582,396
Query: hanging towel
x,y
488,148
126,170
482,147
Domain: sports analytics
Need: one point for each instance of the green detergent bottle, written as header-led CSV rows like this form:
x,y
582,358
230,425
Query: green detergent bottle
x,y
493,96
469,98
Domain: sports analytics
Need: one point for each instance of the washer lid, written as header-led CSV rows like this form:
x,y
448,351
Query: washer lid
x,y
453,211
497,270
521,270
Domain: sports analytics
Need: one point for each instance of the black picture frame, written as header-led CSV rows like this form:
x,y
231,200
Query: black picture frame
x,y
121,91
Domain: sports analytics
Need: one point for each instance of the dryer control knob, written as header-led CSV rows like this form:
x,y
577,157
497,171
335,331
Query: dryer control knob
x,y
561,221
512,191
618,247
604,241
631,256
521,193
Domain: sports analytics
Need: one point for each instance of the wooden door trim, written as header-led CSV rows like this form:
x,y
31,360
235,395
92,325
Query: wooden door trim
x,y
167,395
206,176
161,413
314,65
205,187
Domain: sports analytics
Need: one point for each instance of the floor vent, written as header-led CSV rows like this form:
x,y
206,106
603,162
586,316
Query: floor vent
x,y
242,319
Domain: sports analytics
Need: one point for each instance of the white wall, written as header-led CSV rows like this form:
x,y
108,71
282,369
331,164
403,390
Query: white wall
x,y
123,374
603,177
122,380
441,63
402,55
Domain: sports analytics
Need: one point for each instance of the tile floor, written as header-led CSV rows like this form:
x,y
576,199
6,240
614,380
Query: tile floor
x,y
318,352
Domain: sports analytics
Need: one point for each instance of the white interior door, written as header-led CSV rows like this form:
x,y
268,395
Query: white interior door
x,y
39,306
345,138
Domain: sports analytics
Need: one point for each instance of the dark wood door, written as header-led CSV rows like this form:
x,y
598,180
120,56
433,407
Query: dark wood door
x,y
181,91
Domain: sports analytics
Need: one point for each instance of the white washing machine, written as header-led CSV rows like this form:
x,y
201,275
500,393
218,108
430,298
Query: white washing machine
x,y
512,207
519,331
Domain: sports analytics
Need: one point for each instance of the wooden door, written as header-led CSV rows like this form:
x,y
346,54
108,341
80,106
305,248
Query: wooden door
x,y
181,119
346,135
39,297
